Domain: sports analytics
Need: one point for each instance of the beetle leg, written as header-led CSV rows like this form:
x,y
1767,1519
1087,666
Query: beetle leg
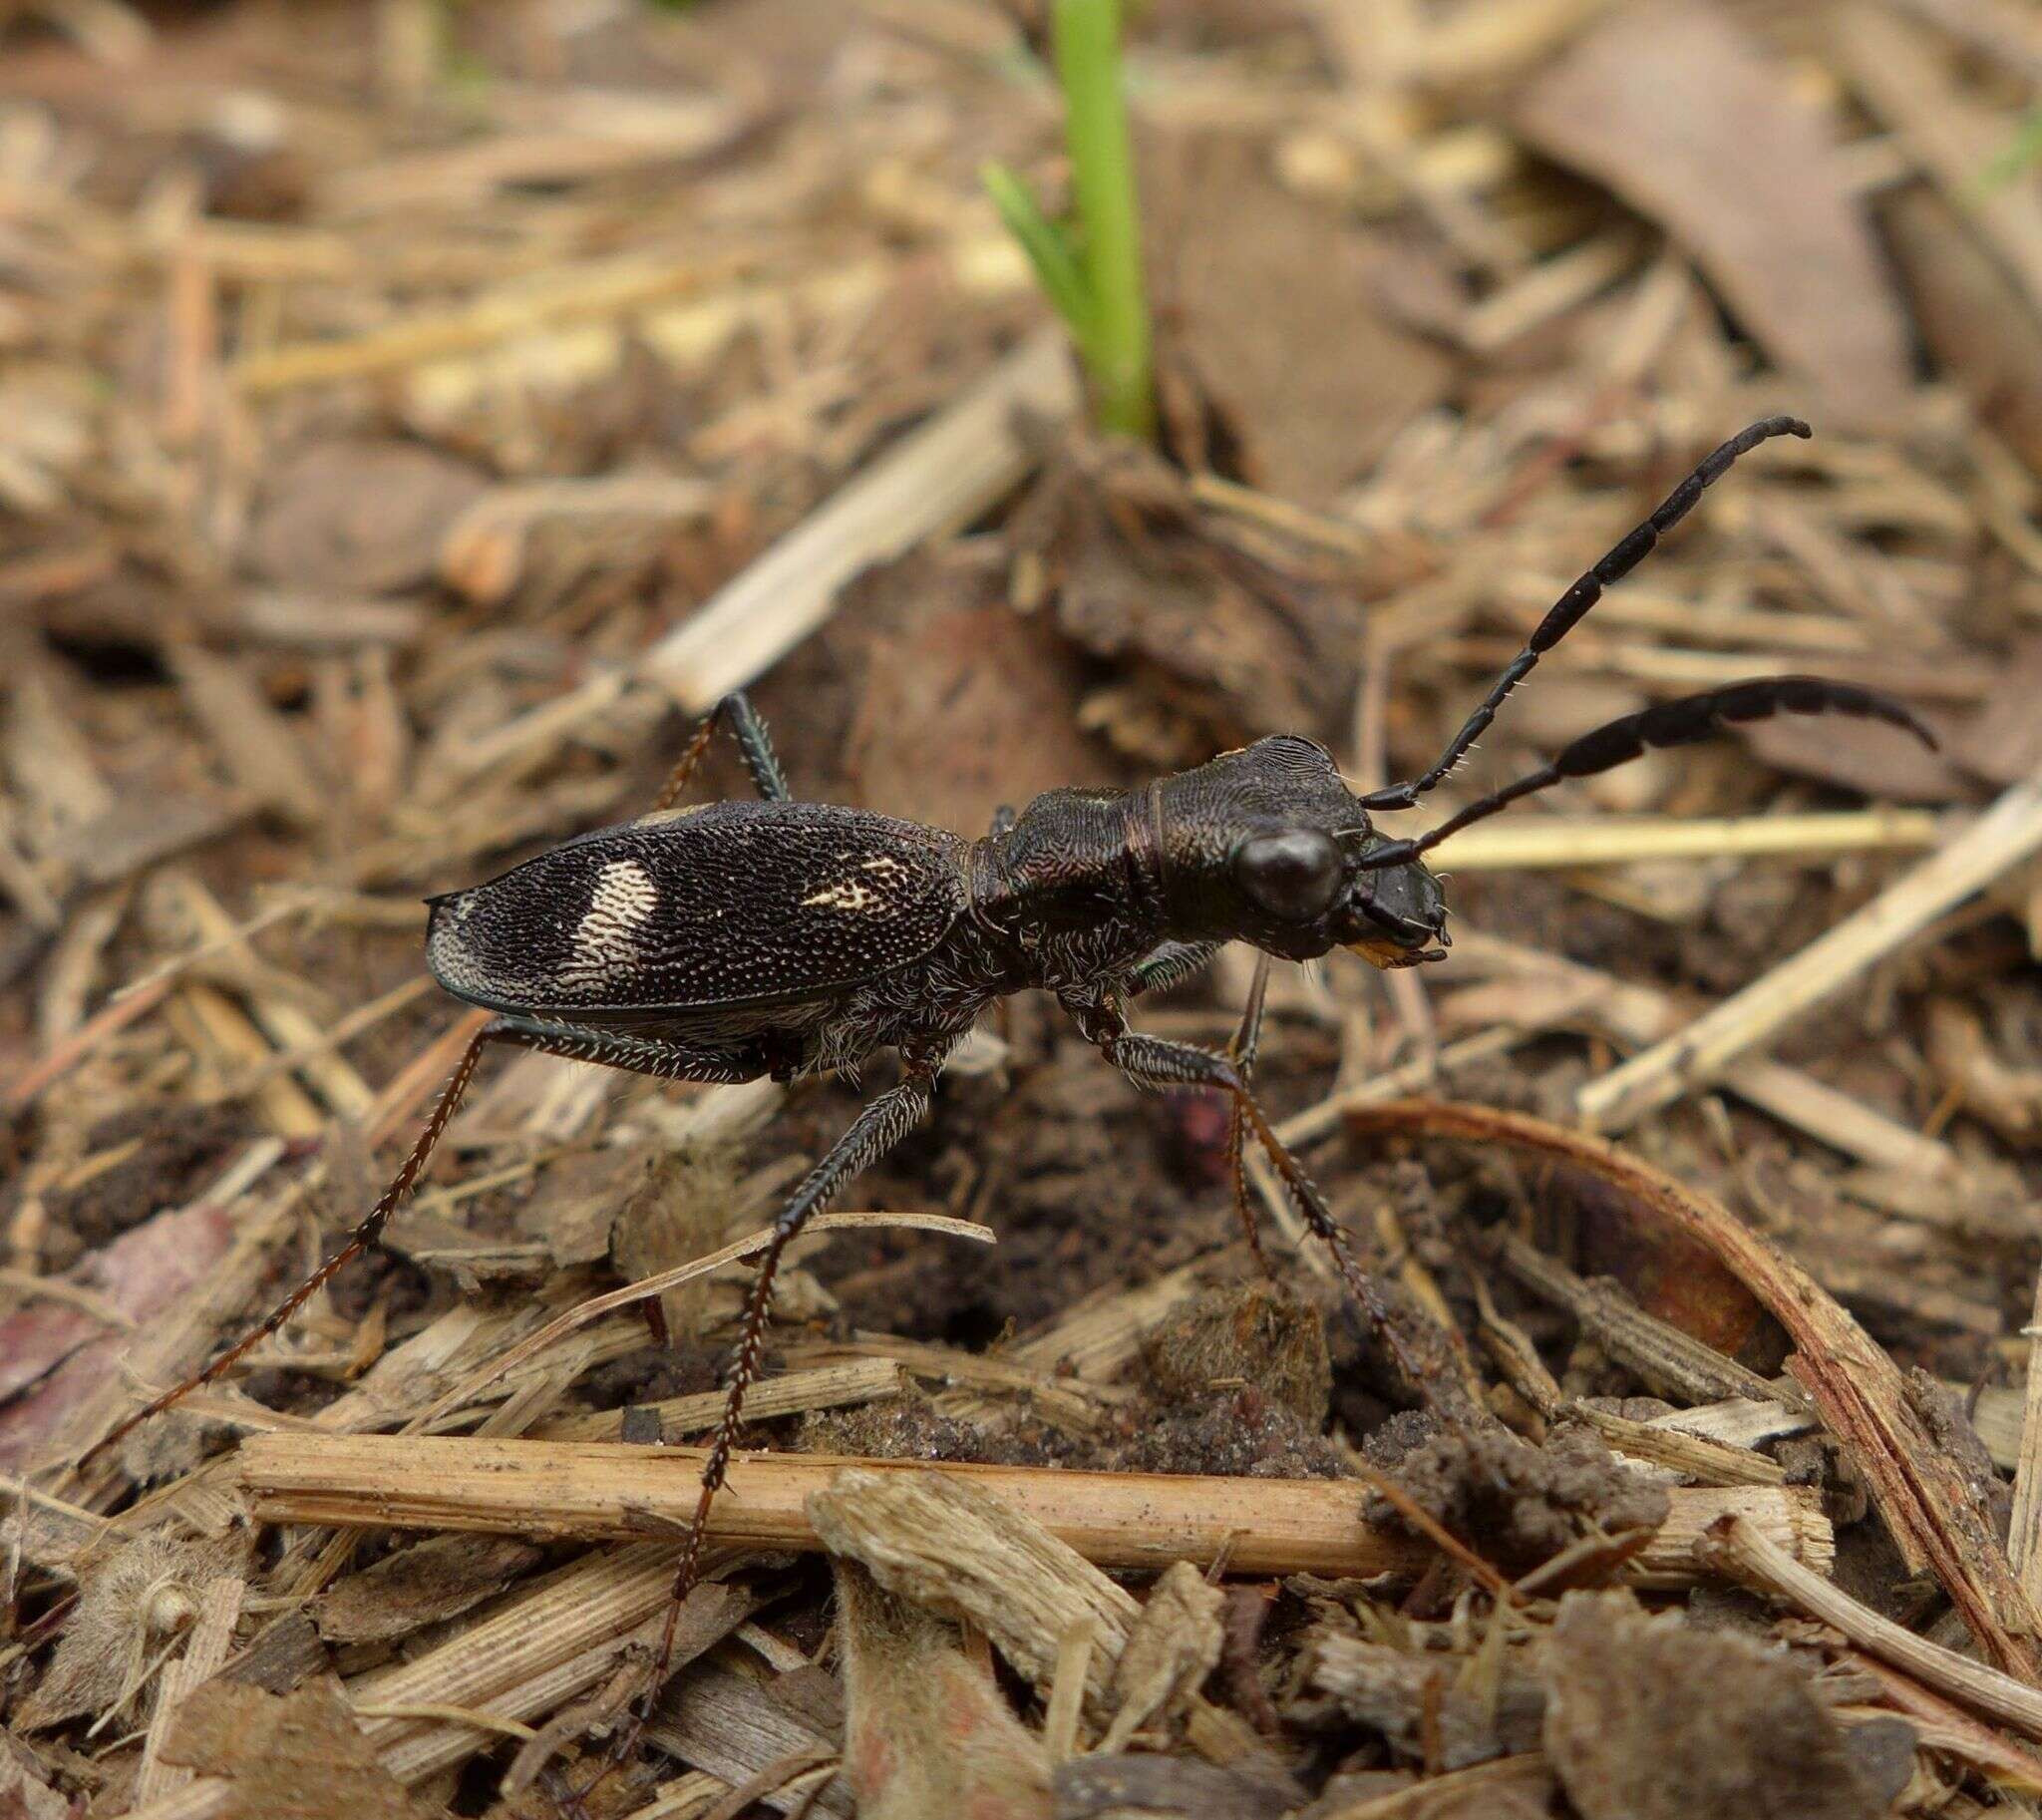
x,y
754,744
651,1055
883,1123
1246,1044
1156,1061
641,1055
1170,964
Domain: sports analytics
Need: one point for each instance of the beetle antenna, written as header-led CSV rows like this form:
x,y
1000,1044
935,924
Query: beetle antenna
x,y
1670,723
1568,611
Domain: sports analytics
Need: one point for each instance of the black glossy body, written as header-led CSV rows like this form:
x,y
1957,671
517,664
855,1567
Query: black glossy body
x,y
781,935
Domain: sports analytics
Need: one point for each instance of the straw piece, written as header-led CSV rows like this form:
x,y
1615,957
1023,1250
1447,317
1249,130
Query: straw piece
x,y
936,480
1620,840
2008,832
2024,1534
1734,1548
582,1313
219,1604
1638,1014
1116,1519
863,1380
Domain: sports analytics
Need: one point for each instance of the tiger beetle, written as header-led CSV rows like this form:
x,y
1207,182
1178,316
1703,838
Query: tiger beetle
x,y
778,938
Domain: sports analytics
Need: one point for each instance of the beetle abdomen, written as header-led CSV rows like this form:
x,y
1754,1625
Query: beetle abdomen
x,y
735,904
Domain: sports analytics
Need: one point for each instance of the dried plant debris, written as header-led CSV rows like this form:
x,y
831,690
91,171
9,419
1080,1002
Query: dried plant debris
x,y
1522,1505
961,1552
1171,1650
1446,1711
1669,103
1648,1717
412,415
425,1584
1119,1787
297,1756
927,1729
1259,1335
23,1790
134,1606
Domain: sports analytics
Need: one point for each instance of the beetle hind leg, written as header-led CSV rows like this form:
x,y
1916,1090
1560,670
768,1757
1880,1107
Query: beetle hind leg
x,y
754,744
640,1055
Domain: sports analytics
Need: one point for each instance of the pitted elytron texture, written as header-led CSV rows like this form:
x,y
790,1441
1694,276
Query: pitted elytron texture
x,y
741,904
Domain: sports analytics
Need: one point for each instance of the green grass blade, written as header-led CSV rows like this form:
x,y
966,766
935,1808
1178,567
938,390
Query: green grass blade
x,y
1048,248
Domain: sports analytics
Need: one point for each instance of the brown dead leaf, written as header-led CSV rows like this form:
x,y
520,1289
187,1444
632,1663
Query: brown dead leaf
x,y
1224,642
966,705
1310,381
24,1796
67,1355
1650,1718
359,516
1972,319
434,1580
1882,762
294,1756
2002,742
1671,105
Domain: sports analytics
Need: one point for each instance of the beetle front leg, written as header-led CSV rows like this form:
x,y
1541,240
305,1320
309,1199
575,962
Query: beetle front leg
x,y
1170,964
753,746
1245,1046
1156,1061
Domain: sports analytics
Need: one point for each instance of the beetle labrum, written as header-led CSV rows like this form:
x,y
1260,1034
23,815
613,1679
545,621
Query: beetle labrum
x,y
743,939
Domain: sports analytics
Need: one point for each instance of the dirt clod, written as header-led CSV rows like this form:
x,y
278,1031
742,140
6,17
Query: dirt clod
x,y
1647,1719
1255,1335
1520,1505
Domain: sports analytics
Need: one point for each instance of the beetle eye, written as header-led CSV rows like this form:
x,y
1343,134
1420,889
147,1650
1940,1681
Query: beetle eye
x,y
1293,876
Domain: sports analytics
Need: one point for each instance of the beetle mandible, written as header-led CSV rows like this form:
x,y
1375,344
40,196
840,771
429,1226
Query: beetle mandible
x,y
743,939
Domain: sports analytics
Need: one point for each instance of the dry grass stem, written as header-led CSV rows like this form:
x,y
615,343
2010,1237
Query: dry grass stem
x,y
1734,1548
2001,839
1117,1519
1550,841
597,1307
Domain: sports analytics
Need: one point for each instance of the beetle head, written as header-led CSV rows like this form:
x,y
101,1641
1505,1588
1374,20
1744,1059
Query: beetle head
x,y
1268,845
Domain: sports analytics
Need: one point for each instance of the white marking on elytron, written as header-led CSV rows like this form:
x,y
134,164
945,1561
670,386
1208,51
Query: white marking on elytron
x,y
885,866
623,896
849,896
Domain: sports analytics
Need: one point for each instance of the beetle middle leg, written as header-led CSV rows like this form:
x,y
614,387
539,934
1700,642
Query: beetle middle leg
x,y
1156,1061
883,1123
754,744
